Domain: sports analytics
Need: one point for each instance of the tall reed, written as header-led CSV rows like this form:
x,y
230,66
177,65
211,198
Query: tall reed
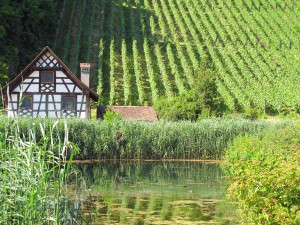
x,y
32,174
160,140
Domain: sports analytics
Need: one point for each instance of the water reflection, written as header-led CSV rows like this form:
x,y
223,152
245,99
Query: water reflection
x,y
150,193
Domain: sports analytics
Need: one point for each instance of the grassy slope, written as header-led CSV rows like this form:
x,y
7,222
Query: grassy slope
x,y
157,47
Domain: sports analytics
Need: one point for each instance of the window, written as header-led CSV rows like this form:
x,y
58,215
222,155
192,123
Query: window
x,y
68,103
47,77
26,102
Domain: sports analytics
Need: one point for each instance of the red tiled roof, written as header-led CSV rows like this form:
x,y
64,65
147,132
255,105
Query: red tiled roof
x,y
141,113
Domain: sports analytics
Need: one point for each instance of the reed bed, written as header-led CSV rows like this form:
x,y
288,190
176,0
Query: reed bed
x,y
97,139
32,175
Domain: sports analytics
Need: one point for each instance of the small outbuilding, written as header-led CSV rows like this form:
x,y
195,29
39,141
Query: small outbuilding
x,y
47,88
138,113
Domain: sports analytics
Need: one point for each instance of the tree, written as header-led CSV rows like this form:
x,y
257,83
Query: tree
x,y
26,26
202,100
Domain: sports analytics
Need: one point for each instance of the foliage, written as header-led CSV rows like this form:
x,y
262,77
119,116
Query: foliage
x,y
203,100
183,107
158,48
3,74
25,27
205,139
33,175
111,116
3,81
265,175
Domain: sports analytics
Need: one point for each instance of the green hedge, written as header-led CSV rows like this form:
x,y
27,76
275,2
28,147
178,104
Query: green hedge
x,y
265,174
126,139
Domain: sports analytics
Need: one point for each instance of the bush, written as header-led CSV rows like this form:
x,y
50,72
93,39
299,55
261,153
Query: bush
x,y
265,174
183,107
202,101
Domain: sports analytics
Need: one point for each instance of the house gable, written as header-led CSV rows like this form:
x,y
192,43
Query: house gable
x,y
47,60
47,88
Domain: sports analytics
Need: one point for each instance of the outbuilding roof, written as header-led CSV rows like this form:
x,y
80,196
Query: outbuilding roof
x,y
141,113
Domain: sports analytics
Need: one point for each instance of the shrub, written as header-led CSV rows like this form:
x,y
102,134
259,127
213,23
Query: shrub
x,y
203,100
265,174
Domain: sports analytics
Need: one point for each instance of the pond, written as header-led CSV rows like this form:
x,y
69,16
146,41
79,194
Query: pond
x,y
150,193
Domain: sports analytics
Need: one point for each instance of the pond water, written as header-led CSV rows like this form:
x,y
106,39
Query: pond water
x,y
150,193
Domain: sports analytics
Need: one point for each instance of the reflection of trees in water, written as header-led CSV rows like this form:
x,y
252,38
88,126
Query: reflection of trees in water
x,y
147,209
133,193
174,172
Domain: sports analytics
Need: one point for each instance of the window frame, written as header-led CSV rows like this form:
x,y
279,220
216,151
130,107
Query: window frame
x,y
53,73
63,100
31,102
41,84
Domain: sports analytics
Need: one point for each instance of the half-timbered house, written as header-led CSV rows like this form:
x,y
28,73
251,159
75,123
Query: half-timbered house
x,y
47,88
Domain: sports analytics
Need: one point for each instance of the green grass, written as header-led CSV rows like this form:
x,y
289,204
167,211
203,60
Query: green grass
x,y
32,175
160,140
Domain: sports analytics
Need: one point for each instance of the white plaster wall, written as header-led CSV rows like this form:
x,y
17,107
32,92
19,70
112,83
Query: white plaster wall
x,y
61,88
57,98
60,74
58,106
33,88
77,90
81,115
79,107
13,97
35,106
21,88
52,115
80,97
51,106
42,106
37,98
68,81
71,87
42,114
34,74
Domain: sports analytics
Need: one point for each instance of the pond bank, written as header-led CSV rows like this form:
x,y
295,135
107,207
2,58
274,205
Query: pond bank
x,y
88,161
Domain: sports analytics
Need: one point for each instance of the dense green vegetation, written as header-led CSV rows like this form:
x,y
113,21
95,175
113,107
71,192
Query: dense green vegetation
x,y
25,28
145,50
203,100
265,175
205,139
32,174
142,50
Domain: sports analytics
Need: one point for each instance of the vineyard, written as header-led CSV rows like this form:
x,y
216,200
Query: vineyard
x,y
142,50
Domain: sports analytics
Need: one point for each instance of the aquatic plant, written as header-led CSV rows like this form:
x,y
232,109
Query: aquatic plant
x,y
205,139
33,174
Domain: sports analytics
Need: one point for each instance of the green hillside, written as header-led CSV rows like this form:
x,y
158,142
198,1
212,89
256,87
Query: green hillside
x,y
142,50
